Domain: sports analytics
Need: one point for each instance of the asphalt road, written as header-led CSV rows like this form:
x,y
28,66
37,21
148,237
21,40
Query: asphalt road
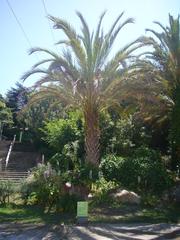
x,y
17,231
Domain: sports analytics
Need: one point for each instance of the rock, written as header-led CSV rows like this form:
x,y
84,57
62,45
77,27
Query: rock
x,y
125,196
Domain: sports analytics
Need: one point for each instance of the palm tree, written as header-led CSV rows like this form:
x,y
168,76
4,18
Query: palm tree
x,y
85,75
164,63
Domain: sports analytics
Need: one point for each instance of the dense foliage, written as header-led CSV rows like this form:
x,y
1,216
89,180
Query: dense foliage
x,y
5,116
143,171
7,188
46,188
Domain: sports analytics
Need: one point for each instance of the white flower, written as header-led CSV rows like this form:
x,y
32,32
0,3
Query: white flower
x,y
68,184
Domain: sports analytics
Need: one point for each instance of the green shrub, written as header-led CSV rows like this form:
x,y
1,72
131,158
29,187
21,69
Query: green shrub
x,y
121,170
68,203
61,162
100,191
153,174
46,187
149,200
120,135
43,187
6,190
88,173
142,172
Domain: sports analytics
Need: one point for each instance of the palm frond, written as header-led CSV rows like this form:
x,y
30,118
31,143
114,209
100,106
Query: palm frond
x,y
98,40
66,42
109,40
42,62
33,71
38,49
75,43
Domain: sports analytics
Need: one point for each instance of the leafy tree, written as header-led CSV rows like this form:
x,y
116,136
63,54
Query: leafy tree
x,y
5,116
86,75
60,132
36,114
143,171
65,138
16,99
122,133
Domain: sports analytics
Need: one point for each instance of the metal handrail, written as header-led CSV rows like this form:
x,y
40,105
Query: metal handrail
x,y
10,149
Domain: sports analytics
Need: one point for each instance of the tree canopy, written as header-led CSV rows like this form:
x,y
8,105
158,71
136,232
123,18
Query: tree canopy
x,y
85,75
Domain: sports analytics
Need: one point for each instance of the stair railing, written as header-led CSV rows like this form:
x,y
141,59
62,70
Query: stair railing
x,y
10,150
1,165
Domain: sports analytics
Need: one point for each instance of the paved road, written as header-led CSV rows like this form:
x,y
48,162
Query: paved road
x,y
126,232
17,231
13,231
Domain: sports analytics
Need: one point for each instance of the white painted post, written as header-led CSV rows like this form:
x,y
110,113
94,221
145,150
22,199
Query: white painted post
x,y
20,136
1,164
10,149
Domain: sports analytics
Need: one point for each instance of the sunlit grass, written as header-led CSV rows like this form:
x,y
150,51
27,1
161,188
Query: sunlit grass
x,y
118,214
31,214
136,214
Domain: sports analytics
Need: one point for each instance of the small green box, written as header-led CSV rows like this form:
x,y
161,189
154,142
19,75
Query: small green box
x,y
82,209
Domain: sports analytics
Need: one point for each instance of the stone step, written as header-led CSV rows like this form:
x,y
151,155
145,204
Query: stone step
x,y
4,145
13,176
11,179
23,147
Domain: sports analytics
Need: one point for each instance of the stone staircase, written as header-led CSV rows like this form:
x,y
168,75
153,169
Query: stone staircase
x,y
22,158
22,161
15,177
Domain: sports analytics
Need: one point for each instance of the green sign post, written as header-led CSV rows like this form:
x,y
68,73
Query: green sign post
x,y
82,212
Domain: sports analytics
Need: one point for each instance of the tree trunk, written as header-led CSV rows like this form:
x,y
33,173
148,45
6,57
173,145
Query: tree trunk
x,y
92,134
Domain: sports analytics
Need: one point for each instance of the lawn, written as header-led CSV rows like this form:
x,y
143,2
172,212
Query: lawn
x,y
115,214
32,214
136,214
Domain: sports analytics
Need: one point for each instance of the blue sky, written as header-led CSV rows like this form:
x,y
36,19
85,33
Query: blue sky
x,y
31,14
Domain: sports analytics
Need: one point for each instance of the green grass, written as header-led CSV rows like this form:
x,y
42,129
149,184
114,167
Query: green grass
x,y
32,214
135,214
115,214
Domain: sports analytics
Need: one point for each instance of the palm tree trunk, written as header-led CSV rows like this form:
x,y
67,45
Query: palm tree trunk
x,y
92,134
